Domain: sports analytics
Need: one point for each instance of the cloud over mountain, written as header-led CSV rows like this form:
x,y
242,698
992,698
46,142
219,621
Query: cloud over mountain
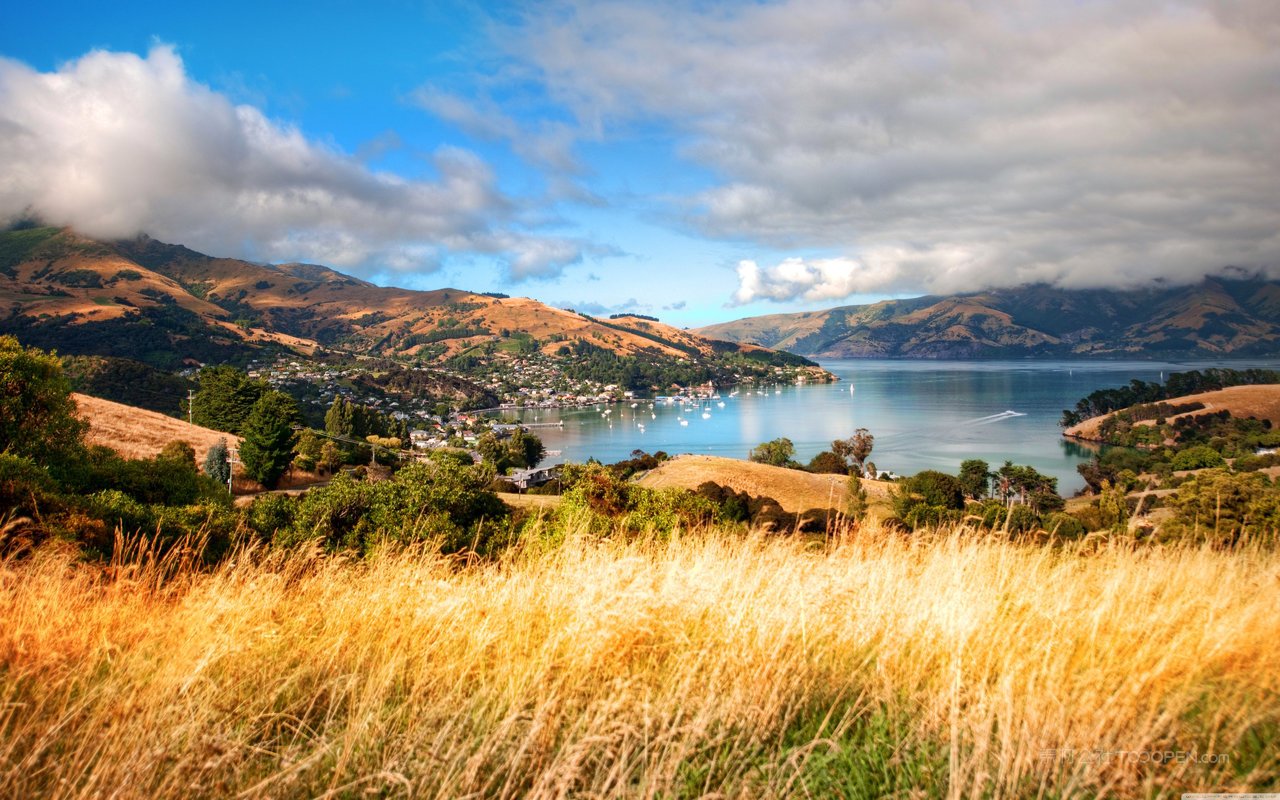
x,y
941,147
115,144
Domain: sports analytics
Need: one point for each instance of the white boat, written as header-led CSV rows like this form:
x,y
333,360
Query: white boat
x,y
706,415
684,423
720,404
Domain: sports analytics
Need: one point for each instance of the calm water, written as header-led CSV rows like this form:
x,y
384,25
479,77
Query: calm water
x,y
924,415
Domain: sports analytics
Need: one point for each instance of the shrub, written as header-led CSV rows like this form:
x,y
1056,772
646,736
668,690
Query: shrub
x,y
1063,525
1197,457
37,415
1223,508
828,462
270,513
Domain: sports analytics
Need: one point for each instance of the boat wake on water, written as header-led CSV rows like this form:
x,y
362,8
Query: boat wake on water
x,y
990,418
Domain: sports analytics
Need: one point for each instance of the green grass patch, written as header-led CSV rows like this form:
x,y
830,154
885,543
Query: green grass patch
x,y
19,246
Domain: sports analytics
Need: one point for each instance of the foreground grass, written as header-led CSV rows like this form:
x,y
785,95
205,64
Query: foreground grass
x,y
876,665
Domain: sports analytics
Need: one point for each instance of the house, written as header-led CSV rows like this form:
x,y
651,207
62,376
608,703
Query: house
x,y
526,478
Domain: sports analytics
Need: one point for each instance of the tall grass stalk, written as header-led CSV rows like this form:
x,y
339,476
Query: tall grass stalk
x,y
946,664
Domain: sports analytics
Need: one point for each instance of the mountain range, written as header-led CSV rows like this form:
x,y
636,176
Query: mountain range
x,y
1219,317
164,304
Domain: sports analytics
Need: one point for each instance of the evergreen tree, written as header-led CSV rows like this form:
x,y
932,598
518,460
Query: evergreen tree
x,y
268,438
217,463
225,398
338,419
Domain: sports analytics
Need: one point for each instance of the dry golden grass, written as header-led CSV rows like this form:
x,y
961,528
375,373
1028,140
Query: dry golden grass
x,y
138,433
709,664
794,490
1261,402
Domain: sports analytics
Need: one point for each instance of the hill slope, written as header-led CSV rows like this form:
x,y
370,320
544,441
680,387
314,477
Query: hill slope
x,y
138,433
1217,317
794,490
162,303
1257,401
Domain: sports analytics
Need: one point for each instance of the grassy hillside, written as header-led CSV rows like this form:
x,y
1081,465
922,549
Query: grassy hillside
x,y
138,433
1217,317
794,490
1260,402
941,665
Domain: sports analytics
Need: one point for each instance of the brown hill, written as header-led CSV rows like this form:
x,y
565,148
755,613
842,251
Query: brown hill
x,y
1258,401
158,298
1219,316
137,433
794,490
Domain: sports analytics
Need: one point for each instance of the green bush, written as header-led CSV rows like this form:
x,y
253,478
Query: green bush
x,y
270,513
1223,508
440,501
1197,457
928,498
1063,525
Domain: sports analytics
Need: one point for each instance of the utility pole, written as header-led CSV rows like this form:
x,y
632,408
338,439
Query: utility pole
x,y
191,395
231,467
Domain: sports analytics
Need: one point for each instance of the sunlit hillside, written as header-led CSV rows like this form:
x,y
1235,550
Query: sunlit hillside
x,y
867,664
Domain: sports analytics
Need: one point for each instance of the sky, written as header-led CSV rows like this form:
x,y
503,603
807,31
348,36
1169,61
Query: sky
x,y
695,161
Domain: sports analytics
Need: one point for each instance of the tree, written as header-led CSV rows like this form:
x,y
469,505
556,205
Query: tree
x,y
527,449
338,420
37,414
225,399
828,462
975,478
307,450
856,449
522,450
268,438
217,462
927,497
777,453
330,457
1026,486
1198,457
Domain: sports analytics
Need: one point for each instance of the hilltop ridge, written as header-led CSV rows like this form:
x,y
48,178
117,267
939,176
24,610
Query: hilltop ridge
x,y
164,304
1233,317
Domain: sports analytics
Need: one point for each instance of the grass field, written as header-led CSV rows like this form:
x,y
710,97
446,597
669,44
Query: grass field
x,y
868,665
795,490
138,433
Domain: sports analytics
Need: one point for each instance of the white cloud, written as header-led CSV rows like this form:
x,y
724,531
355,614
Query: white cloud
x,y
549,145
115,144
948,146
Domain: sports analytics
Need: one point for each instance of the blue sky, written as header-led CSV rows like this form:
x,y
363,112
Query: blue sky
x,y
696,161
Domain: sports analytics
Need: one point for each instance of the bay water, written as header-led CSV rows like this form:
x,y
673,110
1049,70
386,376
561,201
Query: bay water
x,y
923,414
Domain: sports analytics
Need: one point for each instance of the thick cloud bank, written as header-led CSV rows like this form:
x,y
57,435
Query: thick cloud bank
x,y
115,144
949,146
